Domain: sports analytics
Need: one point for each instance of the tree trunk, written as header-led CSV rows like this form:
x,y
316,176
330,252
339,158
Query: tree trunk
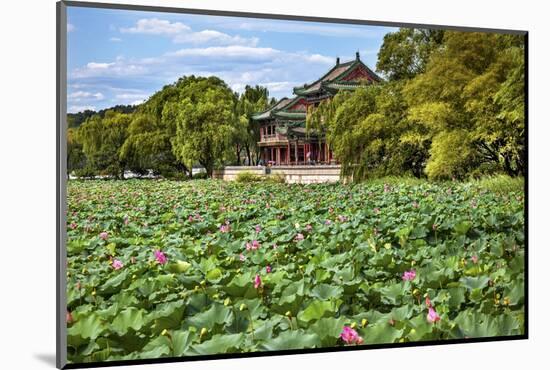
x,y
249,158
238,155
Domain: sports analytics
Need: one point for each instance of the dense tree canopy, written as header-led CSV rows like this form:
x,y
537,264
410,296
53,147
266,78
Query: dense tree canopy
x,y
453,108
205,122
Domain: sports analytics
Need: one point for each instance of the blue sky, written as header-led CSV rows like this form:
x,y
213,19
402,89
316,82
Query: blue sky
x,y
123,57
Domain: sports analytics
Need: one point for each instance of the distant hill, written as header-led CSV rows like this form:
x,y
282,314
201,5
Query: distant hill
x,y
76,119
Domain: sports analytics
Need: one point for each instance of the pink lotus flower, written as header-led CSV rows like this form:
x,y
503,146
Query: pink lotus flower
x,y
274,246
268,269
474,258
432,315
225,228
160,257
242,257
257,281
69,317
428,302
73,225
126,220
104,235
117,264
299,237
328,222
308,227
255,244
248,246
258,228
409,275
190,218
342,218
350,336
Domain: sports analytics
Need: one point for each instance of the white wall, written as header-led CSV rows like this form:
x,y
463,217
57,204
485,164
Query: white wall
x,y
27,203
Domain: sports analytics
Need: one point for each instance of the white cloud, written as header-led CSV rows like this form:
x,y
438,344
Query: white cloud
x,y
94,65
80,108
181,33
115,39
84,95
232,51
120,67
155,26
70,27
211,36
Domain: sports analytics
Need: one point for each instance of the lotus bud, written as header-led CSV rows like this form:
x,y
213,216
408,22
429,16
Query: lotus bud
x,y
227,301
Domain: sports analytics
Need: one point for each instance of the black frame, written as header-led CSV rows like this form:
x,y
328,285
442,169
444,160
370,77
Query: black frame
x,y
61,185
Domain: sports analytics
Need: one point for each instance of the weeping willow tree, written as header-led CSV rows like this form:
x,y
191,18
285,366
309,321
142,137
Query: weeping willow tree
x,y
319,119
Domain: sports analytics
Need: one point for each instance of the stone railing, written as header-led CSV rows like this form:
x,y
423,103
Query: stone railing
x,y
292,174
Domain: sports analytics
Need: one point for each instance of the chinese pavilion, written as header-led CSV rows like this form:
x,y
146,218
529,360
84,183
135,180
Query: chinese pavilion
x,y
283,139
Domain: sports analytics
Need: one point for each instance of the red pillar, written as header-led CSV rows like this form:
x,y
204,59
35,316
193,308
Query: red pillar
x,y
288,153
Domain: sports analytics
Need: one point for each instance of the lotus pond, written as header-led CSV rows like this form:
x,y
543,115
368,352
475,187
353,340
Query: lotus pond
x,y
165,269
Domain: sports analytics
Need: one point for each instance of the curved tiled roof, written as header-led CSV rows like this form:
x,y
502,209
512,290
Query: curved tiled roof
x,y
335,74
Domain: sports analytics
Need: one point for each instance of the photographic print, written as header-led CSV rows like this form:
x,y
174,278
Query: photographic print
x,y
252,185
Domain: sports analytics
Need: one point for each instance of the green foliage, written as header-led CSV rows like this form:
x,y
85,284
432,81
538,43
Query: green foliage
x,y
348,271
247,176
102,140
461,95
451,155
405,53
454,107
205,122
502,184
251,101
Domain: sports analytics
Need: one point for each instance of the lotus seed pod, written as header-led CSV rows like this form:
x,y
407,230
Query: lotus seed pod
x,y
416,292
204,331
242,307
203,283
288,314
364,322
353,325
227,302
164,332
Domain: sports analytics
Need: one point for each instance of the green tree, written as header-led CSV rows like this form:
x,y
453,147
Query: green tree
x,y
247,134
461,95
205,122
405,53
102,140
76,159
